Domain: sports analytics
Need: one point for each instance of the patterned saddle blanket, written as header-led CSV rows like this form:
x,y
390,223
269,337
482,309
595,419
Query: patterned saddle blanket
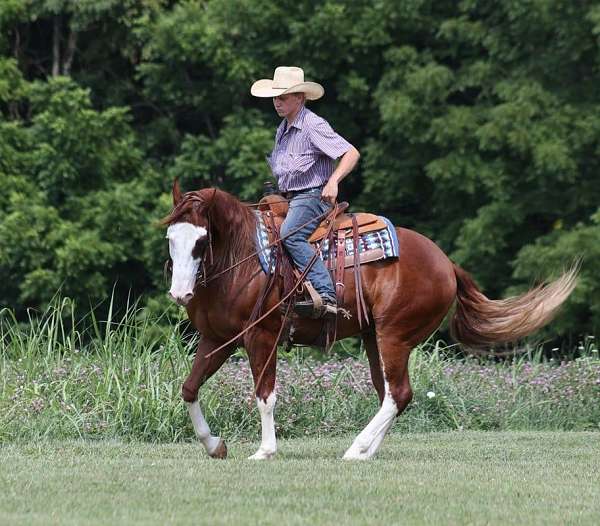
x,y
372,246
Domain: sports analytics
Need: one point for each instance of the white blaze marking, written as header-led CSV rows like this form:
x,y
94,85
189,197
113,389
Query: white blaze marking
x,y
182,239
268,444
368,441
201,427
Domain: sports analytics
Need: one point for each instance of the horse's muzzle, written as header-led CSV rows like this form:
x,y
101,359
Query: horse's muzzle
x,y
181,300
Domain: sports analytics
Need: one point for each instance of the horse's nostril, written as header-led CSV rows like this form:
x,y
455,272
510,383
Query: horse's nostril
x,y
181,300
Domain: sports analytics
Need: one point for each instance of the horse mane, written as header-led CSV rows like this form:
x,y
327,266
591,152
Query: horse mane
x,y
232,225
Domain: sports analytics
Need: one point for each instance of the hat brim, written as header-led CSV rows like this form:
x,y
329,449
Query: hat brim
x,y
264,88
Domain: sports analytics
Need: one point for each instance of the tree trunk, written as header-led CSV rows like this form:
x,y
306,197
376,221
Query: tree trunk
x,y
17,45
70,52
56,47
210,127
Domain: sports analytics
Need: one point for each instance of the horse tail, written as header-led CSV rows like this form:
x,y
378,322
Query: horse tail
x,y
479,321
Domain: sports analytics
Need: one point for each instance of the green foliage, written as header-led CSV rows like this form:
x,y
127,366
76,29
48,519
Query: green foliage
x,y
234,160
121,378
74,214
549,254
477,123
79,150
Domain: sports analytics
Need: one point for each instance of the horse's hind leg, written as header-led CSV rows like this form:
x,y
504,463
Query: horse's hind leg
x,y
393,355
370,341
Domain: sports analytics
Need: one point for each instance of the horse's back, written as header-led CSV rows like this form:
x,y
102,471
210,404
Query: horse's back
x,y
418,253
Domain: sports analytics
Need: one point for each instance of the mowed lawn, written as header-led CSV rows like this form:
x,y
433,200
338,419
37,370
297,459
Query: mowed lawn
x,y
435,478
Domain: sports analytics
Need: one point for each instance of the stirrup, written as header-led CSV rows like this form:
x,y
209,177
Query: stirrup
x,y
314,307
310,309
329,310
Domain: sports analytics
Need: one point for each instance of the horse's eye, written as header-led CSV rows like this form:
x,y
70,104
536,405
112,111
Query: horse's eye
x,y
168,268
199,248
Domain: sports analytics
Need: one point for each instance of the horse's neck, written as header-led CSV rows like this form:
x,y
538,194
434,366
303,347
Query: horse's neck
x,y
234,256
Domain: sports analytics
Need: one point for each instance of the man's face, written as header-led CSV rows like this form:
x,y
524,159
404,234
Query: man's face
x,y
288,104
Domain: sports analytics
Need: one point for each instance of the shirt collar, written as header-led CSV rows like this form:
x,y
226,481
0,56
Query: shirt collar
x,y
299,120
297,123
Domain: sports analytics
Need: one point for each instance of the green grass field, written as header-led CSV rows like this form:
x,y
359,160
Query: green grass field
x,y
434,478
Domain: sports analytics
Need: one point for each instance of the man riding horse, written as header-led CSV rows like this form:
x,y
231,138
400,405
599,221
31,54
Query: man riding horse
x,y
217,274
302,161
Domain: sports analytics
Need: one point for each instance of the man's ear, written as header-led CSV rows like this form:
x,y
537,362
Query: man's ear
x,y
176,192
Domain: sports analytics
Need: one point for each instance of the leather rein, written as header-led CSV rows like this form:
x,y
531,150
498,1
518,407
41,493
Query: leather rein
x,y
291,292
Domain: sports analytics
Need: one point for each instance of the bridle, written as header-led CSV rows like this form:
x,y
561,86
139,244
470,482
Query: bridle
x,y
201,272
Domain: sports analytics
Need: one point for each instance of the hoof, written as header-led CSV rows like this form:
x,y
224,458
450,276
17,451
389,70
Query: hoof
x,y
262,455
359,456
355,453
220,451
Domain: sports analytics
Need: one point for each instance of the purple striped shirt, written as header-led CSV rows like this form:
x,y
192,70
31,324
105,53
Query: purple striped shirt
x,y
305,151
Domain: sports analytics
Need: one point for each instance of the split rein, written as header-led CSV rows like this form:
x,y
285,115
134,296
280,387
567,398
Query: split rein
x,y
292,291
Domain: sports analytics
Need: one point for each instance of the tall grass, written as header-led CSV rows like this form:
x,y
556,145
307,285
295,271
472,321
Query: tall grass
x,y
121,378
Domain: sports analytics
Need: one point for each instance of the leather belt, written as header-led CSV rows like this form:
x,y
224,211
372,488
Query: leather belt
x,y
293,193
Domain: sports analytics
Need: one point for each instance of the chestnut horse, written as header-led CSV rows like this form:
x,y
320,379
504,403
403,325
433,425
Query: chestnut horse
x,y
407,298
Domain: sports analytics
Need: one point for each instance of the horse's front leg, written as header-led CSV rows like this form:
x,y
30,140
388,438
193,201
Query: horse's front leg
x,y
202,369
263,364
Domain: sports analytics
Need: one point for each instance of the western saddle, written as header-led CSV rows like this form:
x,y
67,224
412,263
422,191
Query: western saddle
x,y
366,222
345,226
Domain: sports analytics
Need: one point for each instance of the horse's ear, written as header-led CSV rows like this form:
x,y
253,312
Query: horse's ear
x,y
176,192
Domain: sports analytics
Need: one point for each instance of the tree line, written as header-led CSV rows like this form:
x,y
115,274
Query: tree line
x,y
478,123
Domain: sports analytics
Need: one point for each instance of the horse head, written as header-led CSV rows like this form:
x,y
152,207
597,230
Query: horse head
x,y
209,231
189,238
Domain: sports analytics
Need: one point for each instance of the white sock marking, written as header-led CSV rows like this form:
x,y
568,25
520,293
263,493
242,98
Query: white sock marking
x,y
268,444
201,427
367,443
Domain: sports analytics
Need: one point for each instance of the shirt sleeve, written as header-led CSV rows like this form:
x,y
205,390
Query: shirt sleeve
x,y
324,139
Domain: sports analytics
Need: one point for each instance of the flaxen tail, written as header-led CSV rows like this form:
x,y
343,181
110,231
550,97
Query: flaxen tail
x,y
479,321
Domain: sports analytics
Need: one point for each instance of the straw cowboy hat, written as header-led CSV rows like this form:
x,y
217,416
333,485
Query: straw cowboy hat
x,y
287,80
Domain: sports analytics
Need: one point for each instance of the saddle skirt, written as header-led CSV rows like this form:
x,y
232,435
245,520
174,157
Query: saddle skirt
x,y
377,237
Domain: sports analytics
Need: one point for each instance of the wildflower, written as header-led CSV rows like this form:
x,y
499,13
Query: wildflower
x,y
60,372
37,405
430,394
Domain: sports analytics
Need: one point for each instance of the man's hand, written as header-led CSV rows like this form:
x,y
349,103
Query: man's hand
x,y
345,166
330,192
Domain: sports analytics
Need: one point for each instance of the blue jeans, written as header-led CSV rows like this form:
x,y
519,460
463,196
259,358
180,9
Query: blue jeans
x,y
304,206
